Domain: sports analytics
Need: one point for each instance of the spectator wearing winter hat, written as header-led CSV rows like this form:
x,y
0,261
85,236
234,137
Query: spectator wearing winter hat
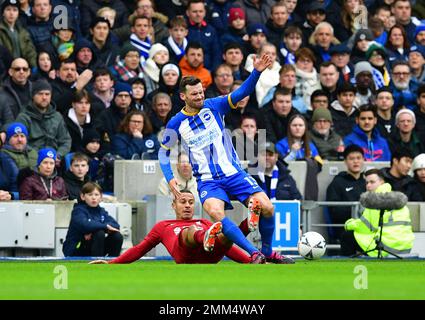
x,y
418,168
257,34
361,43
85,57
45,125
158,56
403,86
169,81
108,121
16,154
328,142
128,65
405,135
417,62
397,44
420,34
377,57
91,148
340,56
13,36
236,32
363,74
219,13
315,14
44,183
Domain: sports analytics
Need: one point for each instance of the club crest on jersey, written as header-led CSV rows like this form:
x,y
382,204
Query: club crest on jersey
x,y
203,194
177,230
207,116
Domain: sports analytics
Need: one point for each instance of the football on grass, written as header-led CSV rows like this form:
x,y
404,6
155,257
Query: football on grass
x,y
312,245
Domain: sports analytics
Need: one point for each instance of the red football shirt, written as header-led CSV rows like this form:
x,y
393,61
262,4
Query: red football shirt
x,y
167,232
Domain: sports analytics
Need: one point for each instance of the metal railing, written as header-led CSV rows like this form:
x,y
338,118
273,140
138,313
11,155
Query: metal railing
x,y
309,205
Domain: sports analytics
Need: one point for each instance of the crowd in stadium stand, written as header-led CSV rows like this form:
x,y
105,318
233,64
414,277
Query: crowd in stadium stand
x,y
94,81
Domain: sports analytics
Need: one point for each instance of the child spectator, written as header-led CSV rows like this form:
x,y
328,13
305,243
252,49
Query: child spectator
x,y
176,43
236,31
138,88
76,176
92,232
292,41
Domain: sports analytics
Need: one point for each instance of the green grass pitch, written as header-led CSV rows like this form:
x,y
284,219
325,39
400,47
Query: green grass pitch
x,y
157,280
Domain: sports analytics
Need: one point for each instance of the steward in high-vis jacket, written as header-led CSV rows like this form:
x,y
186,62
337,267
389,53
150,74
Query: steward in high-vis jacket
x,y
397,234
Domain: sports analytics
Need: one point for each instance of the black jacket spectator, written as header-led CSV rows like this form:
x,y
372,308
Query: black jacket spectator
x,y
344,187
405,184
62,95
73,184
14,97
107,124
90,7
276,125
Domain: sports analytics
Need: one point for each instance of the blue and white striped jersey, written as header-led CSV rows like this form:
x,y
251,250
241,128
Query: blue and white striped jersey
x,y
204,138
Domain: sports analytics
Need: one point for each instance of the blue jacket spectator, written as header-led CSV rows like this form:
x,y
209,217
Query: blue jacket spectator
x,y
130,147
135,139
283,148
204,33
403,86
85,220
375,149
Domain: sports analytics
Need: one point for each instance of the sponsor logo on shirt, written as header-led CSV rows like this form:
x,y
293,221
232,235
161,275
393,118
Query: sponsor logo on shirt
x,y
203,194
349,189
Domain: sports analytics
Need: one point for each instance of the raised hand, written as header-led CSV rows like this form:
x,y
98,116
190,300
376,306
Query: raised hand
x,y
263,62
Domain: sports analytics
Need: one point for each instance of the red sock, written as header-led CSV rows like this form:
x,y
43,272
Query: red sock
x,y
244,227
199,236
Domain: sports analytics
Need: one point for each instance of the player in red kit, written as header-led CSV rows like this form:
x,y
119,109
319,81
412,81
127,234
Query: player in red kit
x,y
187,240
